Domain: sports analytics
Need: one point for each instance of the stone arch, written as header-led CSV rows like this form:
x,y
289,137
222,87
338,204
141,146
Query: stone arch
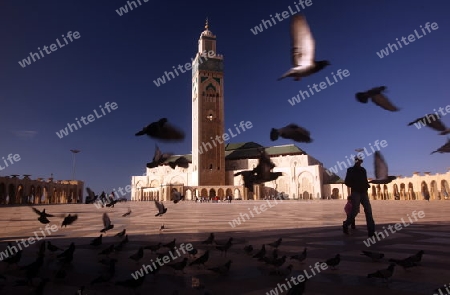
x,y
220,193
411,193
305,182
378,187
204,193
12,194
445,191
424,191
385,192
44,198
374,192
396,192
34,198
212,193
38,194
229,192
237,193
54,196
434,193
402,191
335,193
20,195
188,194
2,193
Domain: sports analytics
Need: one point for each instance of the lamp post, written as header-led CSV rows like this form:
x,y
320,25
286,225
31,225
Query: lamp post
x,y
74,152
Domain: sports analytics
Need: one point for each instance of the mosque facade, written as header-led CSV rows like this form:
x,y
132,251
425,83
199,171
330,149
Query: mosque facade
x,y
213,162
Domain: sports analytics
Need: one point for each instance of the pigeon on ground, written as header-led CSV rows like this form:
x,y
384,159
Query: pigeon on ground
x,y
52,247
122,233
180,162
225,247
42,215
162,130
248,249
298,289
176,197
222,269
106,223
108,275
158,158
127,214
209,240
154,248
97,241
303,50
443,149
201,260
377,97
410,261
282,272
333,262
291,131
432,121
300,257
276,244
68,220
384,274
161,208
170,245
107,251
138,255
193,252
381,170
179,265
375,256
67,255
261,252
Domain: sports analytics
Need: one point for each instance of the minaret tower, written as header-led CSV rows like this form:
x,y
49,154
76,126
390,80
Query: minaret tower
x,y
208,148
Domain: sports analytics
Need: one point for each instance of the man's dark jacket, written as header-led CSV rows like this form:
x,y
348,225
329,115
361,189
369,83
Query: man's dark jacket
x,y
356,179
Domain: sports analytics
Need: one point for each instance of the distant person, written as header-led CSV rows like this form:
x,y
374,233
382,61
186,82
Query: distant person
x,y
348,210
356,179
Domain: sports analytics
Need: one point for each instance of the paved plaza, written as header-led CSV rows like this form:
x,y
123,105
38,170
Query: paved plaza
x,y
316,225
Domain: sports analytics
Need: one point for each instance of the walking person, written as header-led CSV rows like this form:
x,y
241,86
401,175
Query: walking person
x,y
356,179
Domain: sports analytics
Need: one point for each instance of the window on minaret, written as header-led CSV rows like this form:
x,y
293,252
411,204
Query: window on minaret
x,y
210,167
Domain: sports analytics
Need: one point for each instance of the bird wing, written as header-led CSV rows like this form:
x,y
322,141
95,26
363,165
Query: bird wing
x,y
90,193
159,206
106,220
382,101
437,124
73,218
157,155
36,211
176,196
303,43
381,168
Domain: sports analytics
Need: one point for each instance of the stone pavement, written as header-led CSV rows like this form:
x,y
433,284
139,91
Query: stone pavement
x,y
316,225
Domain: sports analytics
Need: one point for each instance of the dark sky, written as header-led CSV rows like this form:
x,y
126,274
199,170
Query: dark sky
x,y
117,58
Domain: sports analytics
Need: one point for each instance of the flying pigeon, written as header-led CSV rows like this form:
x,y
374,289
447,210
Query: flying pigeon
x,y
291,131
161,208
127,214
106,223
381,170
249,177
158,158
42,215
358,150
162,130
432,121
443,149
68,220
176,197
377,97
303,51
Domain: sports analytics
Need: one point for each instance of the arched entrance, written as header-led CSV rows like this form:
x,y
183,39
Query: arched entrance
x,y
335,193
444,189
396,192
424,191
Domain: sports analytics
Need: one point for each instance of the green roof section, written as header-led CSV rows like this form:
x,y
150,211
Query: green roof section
x,y
249,150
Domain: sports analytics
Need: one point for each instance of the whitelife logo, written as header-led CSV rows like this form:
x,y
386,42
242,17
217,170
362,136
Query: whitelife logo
x,y
27,61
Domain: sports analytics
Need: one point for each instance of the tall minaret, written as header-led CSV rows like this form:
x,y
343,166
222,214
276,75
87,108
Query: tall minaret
x,y
208,149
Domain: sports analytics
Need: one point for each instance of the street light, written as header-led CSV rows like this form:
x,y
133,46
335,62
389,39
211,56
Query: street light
x,y
73,162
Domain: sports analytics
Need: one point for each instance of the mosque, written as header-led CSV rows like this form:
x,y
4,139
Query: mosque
x,y
213,162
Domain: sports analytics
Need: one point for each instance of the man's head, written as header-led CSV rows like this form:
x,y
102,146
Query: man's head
x,y
358,161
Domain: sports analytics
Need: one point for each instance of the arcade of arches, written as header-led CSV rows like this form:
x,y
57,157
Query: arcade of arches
x,y
15,190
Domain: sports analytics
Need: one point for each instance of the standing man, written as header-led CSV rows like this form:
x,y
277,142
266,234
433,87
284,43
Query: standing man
x,y
356,179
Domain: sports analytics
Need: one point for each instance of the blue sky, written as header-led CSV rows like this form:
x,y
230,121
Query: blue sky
x,y
116,58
